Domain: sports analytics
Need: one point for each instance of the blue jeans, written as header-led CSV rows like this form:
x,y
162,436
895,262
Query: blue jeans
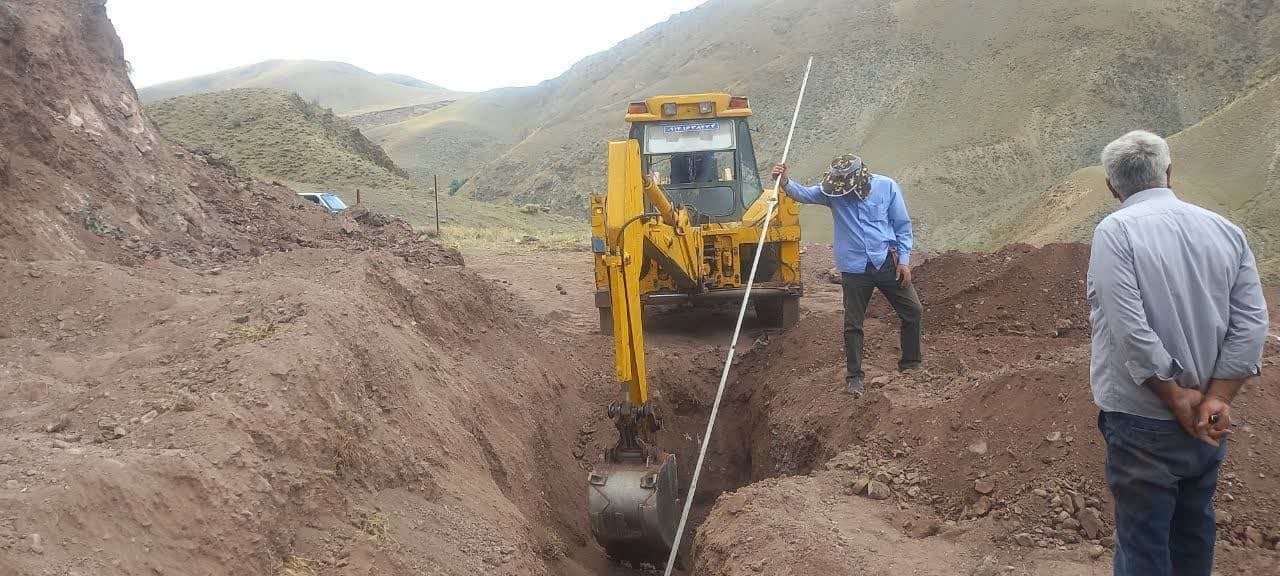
x,y
1163,482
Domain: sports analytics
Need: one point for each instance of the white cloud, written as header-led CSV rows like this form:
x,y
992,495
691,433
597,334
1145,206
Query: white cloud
x,y
460,44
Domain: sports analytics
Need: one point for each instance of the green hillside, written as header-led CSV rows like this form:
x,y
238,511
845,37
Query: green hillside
x,y
1229,162
975,106
345,88
457,140
277,135
990,113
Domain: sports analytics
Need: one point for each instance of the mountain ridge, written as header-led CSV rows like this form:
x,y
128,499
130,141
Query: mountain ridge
x,y
277,135
346,88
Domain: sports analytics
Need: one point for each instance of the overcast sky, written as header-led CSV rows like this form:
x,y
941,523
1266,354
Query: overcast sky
x,y
466,45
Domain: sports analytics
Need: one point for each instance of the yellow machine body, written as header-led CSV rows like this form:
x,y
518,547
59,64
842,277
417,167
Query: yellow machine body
x,y
688,255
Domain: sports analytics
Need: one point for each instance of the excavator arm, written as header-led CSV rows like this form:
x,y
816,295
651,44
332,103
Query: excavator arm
x,y
624,228
632,492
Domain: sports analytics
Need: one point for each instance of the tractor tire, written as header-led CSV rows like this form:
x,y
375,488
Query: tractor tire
x,y
781,312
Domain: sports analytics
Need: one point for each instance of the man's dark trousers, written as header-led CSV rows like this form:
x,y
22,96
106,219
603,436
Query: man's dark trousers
x,y
1163,482
858,289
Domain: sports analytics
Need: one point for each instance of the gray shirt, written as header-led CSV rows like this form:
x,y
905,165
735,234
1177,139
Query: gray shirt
x,y
1173,293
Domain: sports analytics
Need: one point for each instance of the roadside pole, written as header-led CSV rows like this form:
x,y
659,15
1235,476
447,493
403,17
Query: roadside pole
x,y
435,178
357,196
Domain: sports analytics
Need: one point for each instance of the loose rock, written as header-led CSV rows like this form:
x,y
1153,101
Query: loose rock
x,y
987,567
1255,537
878,491
982,507
984,485
1091,522
58,424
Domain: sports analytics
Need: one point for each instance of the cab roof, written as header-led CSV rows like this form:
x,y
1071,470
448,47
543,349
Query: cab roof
x,y
688,107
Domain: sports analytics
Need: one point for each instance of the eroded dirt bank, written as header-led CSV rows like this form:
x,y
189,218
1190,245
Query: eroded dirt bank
x,y
202,374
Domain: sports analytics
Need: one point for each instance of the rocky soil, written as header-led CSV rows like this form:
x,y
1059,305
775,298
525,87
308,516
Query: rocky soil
x,y
991,454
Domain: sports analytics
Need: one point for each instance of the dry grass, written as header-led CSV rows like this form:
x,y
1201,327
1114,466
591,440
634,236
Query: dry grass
x,y
298,566
253,333
468,224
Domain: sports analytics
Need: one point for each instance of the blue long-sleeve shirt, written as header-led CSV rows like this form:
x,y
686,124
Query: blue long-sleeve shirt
x,y
1174,294
865,229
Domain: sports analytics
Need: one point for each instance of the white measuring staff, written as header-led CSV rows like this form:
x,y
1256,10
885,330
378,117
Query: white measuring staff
x,y
733,345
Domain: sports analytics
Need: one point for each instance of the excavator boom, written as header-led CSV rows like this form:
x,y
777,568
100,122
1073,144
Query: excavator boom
x,y
632,496
694,242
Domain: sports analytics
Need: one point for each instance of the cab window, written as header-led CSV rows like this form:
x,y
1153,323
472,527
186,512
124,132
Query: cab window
x,y
748,172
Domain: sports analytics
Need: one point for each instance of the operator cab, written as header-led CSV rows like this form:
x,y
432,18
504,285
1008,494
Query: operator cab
x,y
699,150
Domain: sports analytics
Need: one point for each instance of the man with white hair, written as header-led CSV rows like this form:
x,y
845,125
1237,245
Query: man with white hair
x,y
1179,324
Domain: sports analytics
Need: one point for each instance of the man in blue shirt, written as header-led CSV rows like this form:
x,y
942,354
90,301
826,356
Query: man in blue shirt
x,y
872,250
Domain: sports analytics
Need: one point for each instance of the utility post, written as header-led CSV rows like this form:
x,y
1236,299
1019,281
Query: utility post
x,y
435,178
357,196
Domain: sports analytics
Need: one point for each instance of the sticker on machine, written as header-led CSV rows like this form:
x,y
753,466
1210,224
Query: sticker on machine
x,y
691,127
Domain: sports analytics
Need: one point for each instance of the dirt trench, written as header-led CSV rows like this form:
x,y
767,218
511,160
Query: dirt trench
x,y
753,439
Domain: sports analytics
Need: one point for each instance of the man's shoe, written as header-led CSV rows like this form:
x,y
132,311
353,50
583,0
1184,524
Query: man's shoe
x,y
909,367
854,386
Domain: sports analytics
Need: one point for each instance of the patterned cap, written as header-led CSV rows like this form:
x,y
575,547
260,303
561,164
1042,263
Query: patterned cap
x,y
847,174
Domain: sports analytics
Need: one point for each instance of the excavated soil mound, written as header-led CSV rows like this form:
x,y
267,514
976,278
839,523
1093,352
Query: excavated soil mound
x,y
326,408
202,374
994,445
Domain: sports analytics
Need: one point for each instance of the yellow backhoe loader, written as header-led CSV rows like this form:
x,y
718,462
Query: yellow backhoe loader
x,y
700,228
679,223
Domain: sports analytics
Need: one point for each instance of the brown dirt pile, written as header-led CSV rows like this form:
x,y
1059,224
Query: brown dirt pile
x,y
328,406
994,446
201,374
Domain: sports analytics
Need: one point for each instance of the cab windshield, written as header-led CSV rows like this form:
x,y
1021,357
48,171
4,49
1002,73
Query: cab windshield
x,y
699,165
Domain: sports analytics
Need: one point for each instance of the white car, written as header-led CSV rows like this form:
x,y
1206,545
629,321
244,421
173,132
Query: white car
x,y
327,200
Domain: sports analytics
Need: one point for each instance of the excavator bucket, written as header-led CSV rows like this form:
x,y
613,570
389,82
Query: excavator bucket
x,y
634,508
